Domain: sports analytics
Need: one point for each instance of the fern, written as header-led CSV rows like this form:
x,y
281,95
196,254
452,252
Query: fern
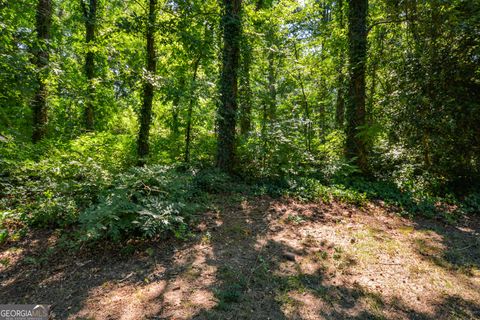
x,y
142,202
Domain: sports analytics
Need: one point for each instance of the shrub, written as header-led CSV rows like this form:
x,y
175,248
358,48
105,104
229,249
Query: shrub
x,y
310,189
51,191
142,202
212,180
471,203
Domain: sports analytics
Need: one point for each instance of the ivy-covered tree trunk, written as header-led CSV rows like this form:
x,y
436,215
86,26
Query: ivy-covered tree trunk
x,y
227,111
148,89
90,18
357,36
41,57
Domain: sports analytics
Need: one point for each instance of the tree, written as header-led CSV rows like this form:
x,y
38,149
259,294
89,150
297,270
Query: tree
x,y
227,111
357,36
41,57
188,129
148,89
90,18
340,102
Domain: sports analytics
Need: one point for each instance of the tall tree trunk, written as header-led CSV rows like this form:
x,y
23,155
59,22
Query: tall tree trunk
x,y
340,103
418,47
306,107
41,61
175,124
90,18
433,80
357,35
264,135
188,130
148,90
227,111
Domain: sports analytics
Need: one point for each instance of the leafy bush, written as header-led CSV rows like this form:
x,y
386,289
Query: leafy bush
x,y
212,181
142,202
471,203
50,191
358,191
78,184
150,201
310,189
146,202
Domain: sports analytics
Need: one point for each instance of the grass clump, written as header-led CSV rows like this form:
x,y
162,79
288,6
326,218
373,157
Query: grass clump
x,y
232,290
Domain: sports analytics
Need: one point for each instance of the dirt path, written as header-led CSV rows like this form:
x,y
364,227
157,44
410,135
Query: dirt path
x,y
260,258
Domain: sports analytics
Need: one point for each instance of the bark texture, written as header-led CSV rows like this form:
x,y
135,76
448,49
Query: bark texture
x,y
41,57
357,35
148,88
340,103
90,18
227,111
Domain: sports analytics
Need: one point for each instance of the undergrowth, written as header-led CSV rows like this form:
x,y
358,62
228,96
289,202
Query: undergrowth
x,y
89,186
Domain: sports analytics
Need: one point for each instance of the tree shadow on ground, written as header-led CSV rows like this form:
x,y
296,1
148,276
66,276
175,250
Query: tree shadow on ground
x,y
257,279
460,238
454,247
45,272
251,275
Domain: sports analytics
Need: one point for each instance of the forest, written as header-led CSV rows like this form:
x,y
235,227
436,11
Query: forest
x,y
240,159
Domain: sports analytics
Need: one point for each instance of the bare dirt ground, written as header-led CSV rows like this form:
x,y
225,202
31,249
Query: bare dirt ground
x,y
261,258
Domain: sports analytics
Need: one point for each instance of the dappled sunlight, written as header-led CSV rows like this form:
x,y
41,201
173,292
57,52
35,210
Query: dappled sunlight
x,y
10,257
383,259
260,258
174,289
124,303
229,159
